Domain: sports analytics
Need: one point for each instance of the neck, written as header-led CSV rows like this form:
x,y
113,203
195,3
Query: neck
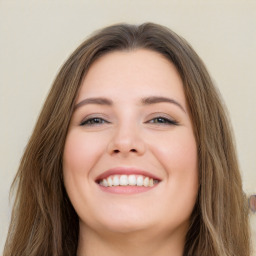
x,y
137,243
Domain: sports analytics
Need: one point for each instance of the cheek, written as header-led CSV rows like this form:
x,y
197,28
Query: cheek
x,y
81,152
177,153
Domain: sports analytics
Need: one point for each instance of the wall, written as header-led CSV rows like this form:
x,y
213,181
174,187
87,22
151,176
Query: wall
x,y
37,36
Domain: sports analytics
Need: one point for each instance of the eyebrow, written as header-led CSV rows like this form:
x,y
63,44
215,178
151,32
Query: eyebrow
x,y
97,101
160,99
145,101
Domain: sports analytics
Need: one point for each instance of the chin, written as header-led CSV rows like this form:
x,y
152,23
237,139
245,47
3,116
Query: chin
x,y
122,221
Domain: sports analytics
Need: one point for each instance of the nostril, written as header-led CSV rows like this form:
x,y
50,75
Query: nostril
x,y
118,151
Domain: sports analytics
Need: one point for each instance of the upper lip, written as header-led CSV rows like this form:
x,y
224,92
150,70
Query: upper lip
x,y
125,171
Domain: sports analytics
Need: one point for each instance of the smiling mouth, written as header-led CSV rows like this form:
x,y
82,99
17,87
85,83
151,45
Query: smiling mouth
x,y
127,180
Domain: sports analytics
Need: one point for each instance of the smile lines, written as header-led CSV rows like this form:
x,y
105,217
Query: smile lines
x,y
128,180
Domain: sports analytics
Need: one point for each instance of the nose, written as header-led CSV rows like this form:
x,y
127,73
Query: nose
x,y
125,141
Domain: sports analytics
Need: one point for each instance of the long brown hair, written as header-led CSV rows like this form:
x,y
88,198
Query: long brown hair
x,y
43,220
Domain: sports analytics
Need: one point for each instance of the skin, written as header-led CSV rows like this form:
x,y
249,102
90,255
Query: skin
x,y
129,133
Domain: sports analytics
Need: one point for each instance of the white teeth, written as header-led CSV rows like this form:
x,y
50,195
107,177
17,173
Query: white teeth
x,y
110,182
116,180
146,182
125,180
140,181
105,183
132,180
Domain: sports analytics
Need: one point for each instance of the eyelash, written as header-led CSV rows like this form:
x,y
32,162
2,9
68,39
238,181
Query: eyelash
x,y
162,121
156,120
93,121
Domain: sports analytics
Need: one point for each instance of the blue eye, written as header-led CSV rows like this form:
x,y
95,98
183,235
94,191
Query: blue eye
x,y
162,120
93,121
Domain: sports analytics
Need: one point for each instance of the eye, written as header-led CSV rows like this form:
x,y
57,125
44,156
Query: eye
x,y
95,121
162,121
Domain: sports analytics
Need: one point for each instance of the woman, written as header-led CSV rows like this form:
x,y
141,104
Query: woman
x,y
132,155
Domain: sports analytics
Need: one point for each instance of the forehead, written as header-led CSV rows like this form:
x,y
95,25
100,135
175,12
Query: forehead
x,y
134,72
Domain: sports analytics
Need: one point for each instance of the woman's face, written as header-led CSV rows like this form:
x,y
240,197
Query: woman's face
x,y
131,126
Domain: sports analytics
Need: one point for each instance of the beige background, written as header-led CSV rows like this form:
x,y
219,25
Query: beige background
x,y
37,36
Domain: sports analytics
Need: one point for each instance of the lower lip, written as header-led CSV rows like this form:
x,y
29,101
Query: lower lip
x,y
126,189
